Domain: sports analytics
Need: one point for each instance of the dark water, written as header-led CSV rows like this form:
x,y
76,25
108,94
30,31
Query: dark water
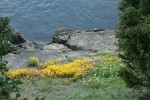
x,y
37,19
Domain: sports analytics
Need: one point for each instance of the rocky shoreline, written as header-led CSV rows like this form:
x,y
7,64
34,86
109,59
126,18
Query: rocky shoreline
x,y
66,44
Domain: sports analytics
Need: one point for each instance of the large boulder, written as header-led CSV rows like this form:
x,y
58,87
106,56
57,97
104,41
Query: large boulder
x,y
89,40
92,41
62,35
17,38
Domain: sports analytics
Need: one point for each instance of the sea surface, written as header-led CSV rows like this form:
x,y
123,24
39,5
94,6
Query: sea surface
x,y
38,19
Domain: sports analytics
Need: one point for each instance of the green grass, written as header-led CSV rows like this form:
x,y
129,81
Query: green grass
x,y
65,50
104,53
102,83
35,88
109,89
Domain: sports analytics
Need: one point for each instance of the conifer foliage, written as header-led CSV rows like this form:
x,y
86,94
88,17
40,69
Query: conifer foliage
x,y
5,35
8,87
133,35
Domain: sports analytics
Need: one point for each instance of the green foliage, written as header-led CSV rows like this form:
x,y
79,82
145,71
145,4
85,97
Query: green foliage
x,y
107,67
5,35
104,53
104,83
65,50
8,87
133,35
110,89
33,61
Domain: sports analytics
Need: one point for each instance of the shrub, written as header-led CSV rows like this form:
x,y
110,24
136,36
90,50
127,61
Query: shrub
x,y
107,67
133,35
8,87
33,61
5,35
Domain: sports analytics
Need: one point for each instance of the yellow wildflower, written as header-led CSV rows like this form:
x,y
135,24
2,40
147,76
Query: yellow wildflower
x,y
50,68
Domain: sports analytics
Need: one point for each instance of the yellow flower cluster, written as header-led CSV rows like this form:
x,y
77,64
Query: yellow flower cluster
x,y
33,61
112,58
27,73
48,63
74,69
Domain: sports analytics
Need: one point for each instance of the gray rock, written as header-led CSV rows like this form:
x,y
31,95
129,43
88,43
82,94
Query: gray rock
x,y
64,41
62,35
17,42
95,30
90,40
54,46
26,46
75,54
17,38
19,61
39,45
